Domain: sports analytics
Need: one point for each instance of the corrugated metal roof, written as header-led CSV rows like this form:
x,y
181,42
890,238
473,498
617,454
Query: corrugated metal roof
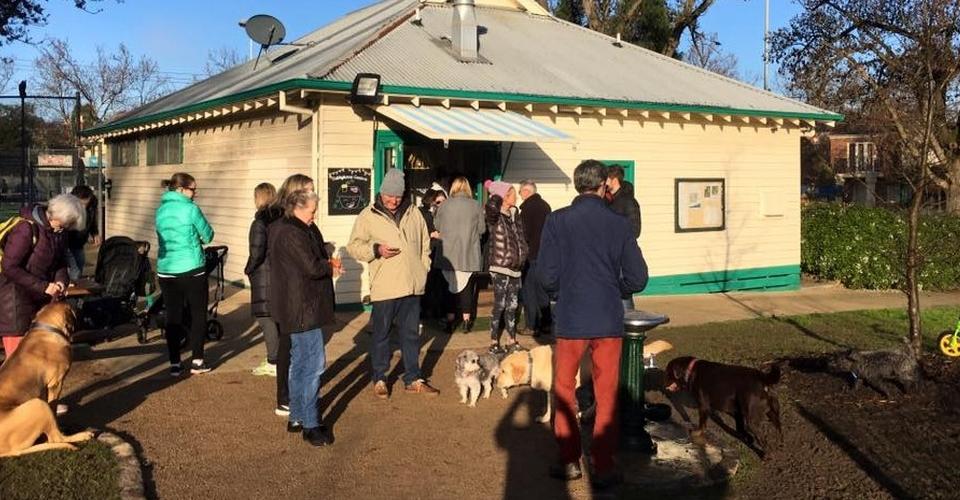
x,y
545,56
523,54
330,45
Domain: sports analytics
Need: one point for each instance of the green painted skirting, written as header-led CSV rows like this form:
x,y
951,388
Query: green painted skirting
x,y
773,279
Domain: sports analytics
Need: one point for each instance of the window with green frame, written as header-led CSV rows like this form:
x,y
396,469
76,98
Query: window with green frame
x,y
124,153
166,149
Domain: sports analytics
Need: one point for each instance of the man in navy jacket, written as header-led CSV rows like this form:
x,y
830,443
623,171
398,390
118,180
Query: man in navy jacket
x,y
589,257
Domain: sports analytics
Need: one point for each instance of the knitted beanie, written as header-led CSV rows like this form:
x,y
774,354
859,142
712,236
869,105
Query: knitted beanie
x,y
498,188
392,184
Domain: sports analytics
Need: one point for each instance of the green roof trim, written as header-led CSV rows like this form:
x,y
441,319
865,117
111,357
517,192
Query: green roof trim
x,y
315,84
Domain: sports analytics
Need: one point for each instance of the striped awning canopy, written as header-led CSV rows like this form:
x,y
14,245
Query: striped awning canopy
x,y
468,124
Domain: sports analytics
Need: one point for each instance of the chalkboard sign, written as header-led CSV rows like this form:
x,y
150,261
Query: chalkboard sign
x,y
348,190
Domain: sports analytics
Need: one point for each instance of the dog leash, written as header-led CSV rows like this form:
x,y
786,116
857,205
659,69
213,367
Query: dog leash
x,y
49,328
529,367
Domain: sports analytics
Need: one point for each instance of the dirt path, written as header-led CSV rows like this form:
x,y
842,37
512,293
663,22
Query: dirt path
x,y
215,436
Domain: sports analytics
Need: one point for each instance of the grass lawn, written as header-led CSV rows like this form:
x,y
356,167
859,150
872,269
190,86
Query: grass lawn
x,y
89,473
758,340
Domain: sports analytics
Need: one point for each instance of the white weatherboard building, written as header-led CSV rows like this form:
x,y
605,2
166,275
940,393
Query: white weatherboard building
x,y
715,162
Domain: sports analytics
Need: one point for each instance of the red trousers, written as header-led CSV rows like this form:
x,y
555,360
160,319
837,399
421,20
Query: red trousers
x,y
10,344
605,356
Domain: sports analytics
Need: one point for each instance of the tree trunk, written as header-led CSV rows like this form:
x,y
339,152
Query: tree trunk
x,y
913,270
953,193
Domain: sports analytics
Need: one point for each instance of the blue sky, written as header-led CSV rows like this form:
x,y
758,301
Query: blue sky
x,y
179,33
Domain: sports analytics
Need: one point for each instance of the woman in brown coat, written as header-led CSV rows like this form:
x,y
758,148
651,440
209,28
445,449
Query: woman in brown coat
x,y
302,307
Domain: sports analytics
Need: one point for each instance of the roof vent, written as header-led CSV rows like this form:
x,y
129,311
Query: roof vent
x,y
464,35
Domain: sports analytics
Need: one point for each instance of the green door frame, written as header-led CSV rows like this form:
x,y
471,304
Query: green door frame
x,y
629,169
385,141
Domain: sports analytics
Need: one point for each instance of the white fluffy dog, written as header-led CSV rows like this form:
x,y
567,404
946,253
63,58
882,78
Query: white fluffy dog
x,y
474,371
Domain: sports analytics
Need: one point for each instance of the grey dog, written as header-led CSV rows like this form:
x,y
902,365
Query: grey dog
x,y
474,371
873,368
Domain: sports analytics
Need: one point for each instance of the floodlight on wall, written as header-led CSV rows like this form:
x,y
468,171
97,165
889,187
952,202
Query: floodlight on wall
x,y
366,89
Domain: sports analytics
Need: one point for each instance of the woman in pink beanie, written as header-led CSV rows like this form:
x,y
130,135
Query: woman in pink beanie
x,y
507,254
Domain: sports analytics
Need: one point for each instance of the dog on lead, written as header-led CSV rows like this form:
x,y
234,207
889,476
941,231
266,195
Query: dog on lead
x,y
742,392
475,371
31,378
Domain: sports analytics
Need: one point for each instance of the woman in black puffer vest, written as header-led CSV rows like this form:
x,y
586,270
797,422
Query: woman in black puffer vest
x,y
258,271
507,250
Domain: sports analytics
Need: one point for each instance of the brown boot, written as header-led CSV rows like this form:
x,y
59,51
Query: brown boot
x,y
380,390
421,387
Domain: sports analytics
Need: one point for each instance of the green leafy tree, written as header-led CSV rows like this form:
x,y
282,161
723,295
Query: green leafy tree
x,y
658,25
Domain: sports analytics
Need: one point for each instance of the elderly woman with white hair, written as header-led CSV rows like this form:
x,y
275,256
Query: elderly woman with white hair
x,y
33,269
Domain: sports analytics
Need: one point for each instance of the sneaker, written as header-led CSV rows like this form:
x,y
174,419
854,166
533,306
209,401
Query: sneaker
x,y
496,350
282,410
198,366
293,427
421,387
265,369
318,436
380,390
62,409
566,472
175,370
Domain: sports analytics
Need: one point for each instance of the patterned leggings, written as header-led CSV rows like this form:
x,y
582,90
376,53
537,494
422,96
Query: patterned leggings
x,y
506,297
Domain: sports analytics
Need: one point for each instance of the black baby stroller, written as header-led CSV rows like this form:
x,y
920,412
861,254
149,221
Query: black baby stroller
x,y
122,274
215,258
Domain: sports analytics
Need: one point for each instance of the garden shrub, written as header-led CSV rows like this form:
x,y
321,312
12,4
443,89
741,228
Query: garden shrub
x,y
865,247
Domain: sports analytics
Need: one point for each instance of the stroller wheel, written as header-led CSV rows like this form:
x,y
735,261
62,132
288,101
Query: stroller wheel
x,y
214,330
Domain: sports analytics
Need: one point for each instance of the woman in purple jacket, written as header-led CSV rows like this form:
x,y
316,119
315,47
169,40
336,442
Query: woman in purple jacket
x,y
33,270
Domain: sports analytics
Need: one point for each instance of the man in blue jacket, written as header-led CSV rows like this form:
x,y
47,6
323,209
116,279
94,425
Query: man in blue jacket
x,y
589,257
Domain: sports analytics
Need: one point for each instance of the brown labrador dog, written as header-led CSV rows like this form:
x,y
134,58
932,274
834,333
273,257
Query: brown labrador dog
x,y
31,378
739,391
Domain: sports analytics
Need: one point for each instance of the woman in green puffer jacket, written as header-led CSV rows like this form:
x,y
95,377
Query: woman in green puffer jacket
x,y
182,230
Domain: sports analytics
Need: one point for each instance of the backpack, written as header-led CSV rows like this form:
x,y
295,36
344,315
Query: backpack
x,y
8,225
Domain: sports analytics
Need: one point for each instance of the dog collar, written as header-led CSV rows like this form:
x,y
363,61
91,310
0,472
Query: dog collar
x,y
36,325
686,378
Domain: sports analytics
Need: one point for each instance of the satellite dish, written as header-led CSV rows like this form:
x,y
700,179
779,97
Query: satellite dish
x,y
265,30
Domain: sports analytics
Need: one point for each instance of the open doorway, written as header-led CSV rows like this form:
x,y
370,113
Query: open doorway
x,y
426,161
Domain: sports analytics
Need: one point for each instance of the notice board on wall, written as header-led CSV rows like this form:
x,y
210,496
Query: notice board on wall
x,y
700,205
348,190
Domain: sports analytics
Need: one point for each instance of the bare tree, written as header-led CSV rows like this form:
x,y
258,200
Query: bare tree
x,y
220,60
17,16
115,82
6,72
892,65
706,53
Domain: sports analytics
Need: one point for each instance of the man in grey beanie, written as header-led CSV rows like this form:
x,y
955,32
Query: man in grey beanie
x,y
392,238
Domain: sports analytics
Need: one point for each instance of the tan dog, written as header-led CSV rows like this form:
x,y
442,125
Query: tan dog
x,y
535,368
31,379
